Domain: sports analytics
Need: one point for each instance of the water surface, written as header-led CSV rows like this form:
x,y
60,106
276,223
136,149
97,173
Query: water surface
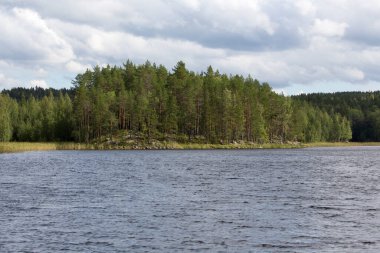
x,y
304,200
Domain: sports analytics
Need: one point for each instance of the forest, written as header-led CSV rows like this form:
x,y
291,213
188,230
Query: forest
x,y
154,103
362,109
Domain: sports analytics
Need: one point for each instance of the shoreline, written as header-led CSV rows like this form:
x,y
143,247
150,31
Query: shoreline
x,y
10,147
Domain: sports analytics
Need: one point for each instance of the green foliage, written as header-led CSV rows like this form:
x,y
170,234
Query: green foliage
x,y
5,119
310,124
359,108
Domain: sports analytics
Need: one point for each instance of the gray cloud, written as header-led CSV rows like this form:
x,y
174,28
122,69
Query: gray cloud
x,y
288,43
237,25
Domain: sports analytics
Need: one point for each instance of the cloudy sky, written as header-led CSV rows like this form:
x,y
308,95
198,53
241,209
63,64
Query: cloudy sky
x,y
295,45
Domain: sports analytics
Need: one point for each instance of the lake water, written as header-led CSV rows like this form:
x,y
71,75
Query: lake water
x,y
304,200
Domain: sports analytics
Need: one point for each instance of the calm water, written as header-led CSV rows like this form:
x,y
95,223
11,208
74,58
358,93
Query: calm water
x,y
310,200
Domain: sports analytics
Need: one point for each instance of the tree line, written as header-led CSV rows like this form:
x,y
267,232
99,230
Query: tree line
x,y
155,103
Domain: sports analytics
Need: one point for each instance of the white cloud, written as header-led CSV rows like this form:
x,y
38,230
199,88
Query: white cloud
x,y
192,4
41,72
329,28
39,83
305,7
352,74
76,67
6,82
119,45
240,17
26,38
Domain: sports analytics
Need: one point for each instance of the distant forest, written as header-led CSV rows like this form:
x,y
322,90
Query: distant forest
x,y
361,108
152,102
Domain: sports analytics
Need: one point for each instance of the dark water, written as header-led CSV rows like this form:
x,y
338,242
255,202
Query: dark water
x,y
311,200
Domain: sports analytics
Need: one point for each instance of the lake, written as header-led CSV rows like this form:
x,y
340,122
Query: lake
x,y
294,200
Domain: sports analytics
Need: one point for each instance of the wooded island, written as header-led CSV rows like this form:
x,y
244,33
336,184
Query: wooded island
x,y
150,103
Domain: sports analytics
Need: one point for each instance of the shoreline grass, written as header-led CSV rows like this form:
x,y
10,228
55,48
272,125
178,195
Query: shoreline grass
x,y
9,147
341,144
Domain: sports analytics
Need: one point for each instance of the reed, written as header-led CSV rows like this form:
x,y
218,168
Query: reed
x,y
8,147
341,144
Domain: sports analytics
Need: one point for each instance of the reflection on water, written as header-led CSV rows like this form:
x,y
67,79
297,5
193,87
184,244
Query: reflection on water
x,y
307,200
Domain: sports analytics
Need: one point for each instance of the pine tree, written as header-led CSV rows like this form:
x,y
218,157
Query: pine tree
x,y
63,118
6,130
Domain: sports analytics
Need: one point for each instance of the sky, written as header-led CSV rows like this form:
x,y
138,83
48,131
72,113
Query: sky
x,y
297,46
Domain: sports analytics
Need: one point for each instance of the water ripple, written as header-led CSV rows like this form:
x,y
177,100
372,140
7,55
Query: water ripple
x,y
309,200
